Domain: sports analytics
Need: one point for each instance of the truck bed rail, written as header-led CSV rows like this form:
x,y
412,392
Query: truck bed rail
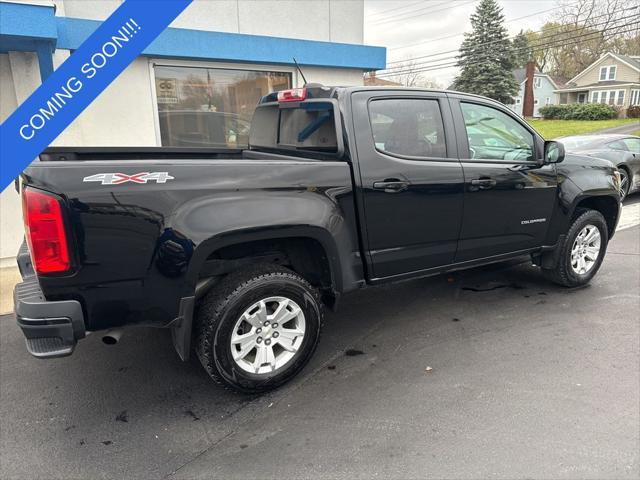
x,y
62,154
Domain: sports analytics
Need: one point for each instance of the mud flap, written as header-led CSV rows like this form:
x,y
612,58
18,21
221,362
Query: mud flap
x,y
181,330
550,258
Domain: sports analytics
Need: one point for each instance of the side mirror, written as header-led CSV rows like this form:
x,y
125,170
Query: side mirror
x,y
553,152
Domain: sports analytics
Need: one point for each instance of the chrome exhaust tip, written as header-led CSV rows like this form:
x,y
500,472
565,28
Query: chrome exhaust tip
x,y
112,336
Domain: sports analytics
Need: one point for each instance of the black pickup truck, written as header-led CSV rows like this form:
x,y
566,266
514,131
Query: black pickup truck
x,y
238,251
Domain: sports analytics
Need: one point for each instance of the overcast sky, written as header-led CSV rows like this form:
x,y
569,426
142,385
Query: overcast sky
x,y
410,28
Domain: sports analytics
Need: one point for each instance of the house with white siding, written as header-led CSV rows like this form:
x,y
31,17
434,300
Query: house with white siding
x,y
613,79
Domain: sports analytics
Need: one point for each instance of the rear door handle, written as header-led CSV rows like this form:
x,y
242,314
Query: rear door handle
x,y
483,182
391,185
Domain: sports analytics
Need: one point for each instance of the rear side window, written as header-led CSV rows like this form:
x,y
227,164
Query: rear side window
x,y
618,145
310,126
408,127
633,144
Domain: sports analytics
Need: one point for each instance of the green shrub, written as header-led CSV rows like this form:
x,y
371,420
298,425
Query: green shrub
x,y
633,111
579,111
551,112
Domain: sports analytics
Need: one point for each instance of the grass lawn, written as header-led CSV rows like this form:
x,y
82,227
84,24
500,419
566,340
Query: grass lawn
x,y
561,128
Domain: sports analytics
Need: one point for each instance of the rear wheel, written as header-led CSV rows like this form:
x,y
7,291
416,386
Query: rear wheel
x,y
582,251
258,328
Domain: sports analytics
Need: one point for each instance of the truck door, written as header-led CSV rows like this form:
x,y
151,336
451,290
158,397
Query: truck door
x,y
509,195
411,192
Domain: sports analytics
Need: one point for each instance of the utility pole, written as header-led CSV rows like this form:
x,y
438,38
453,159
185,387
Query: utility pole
x,y
527,101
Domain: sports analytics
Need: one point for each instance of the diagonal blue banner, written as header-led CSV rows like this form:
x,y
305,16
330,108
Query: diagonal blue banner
x,y
80,79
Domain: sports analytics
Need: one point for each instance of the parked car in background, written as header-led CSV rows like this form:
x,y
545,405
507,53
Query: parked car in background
x,y
622,150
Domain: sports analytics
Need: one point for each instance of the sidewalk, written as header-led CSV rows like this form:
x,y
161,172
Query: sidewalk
x,y
9,276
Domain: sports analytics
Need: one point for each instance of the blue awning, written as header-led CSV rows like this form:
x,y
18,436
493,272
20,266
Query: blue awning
x,y
29,28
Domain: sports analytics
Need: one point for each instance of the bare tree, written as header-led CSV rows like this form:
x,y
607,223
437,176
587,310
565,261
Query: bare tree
x,y
409,75
584,30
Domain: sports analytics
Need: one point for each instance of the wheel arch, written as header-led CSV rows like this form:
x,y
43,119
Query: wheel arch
x,y
607,205
624,166
293,241
324,253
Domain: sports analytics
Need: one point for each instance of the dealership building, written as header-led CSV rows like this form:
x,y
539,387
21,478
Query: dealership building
x,y
196,85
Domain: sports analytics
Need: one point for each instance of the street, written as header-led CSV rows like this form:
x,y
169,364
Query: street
x,y
486,373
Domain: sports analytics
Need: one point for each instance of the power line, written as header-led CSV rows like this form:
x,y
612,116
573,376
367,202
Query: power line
x,y
429,12
414,13
538,31
454,60
536,48
559,34
455,64
397,8
451,63
460,34
448,64
382,12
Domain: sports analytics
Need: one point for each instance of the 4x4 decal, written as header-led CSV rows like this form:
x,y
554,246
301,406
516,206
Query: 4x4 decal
x,y
118,178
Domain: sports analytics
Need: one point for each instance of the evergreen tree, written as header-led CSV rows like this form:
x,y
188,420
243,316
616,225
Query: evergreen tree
x,y
486,56
521,50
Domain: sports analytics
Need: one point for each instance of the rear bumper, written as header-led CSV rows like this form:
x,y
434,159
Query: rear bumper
x,y
51,329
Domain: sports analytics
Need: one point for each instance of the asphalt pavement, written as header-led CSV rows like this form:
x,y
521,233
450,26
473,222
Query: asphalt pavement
x,y
487,373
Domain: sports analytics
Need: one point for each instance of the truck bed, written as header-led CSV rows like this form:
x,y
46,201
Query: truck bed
x,y
139,246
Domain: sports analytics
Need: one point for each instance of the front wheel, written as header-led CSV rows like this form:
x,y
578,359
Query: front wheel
x,y
258,328
582,251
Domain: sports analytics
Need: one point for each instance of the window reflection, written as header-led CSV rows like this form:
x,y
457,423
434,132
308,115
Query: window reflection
x,y
210,107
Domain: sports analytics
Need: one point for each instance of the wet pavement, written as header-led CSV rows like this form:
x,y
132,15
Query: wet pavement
x,y
487,373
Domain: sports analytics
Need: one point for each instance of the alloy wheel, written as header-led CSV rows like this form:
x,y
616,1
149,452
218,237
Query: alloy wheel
x,y
586,249
624,184
268,335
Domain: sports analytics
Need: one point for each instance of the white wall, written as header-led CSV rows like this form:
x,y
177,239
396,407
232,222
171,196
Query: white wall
x,y
11,233
23,66
338,77
327,20
122,115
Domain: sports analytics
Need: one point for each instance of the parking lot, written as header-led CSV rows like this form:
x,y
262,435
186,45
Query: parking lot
x,y
488,373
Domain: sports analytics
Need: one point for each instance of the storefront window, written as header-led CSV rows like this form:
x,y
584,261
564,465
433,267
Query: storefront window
x,y
210,107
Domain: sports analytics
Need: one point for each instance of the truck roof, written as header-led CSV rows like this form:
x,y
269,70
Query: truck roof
x,y
317,90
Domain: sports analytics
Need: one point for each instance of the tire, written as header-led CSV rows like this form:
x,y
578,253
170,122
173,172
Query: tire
x,y
565,272
237,306
625,183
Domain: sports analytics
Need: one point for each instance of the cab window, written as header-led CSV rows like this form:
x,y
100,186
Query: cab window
x,y
494,135
408,127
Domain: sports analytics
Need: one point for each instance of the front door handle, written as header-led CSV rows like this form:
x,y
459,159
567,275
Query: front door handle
x,y
483,183
391,185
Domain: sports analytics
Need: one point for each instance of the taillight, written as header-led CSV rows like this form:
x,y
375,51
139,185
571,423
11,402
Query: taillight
x,y
293,95
45,231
